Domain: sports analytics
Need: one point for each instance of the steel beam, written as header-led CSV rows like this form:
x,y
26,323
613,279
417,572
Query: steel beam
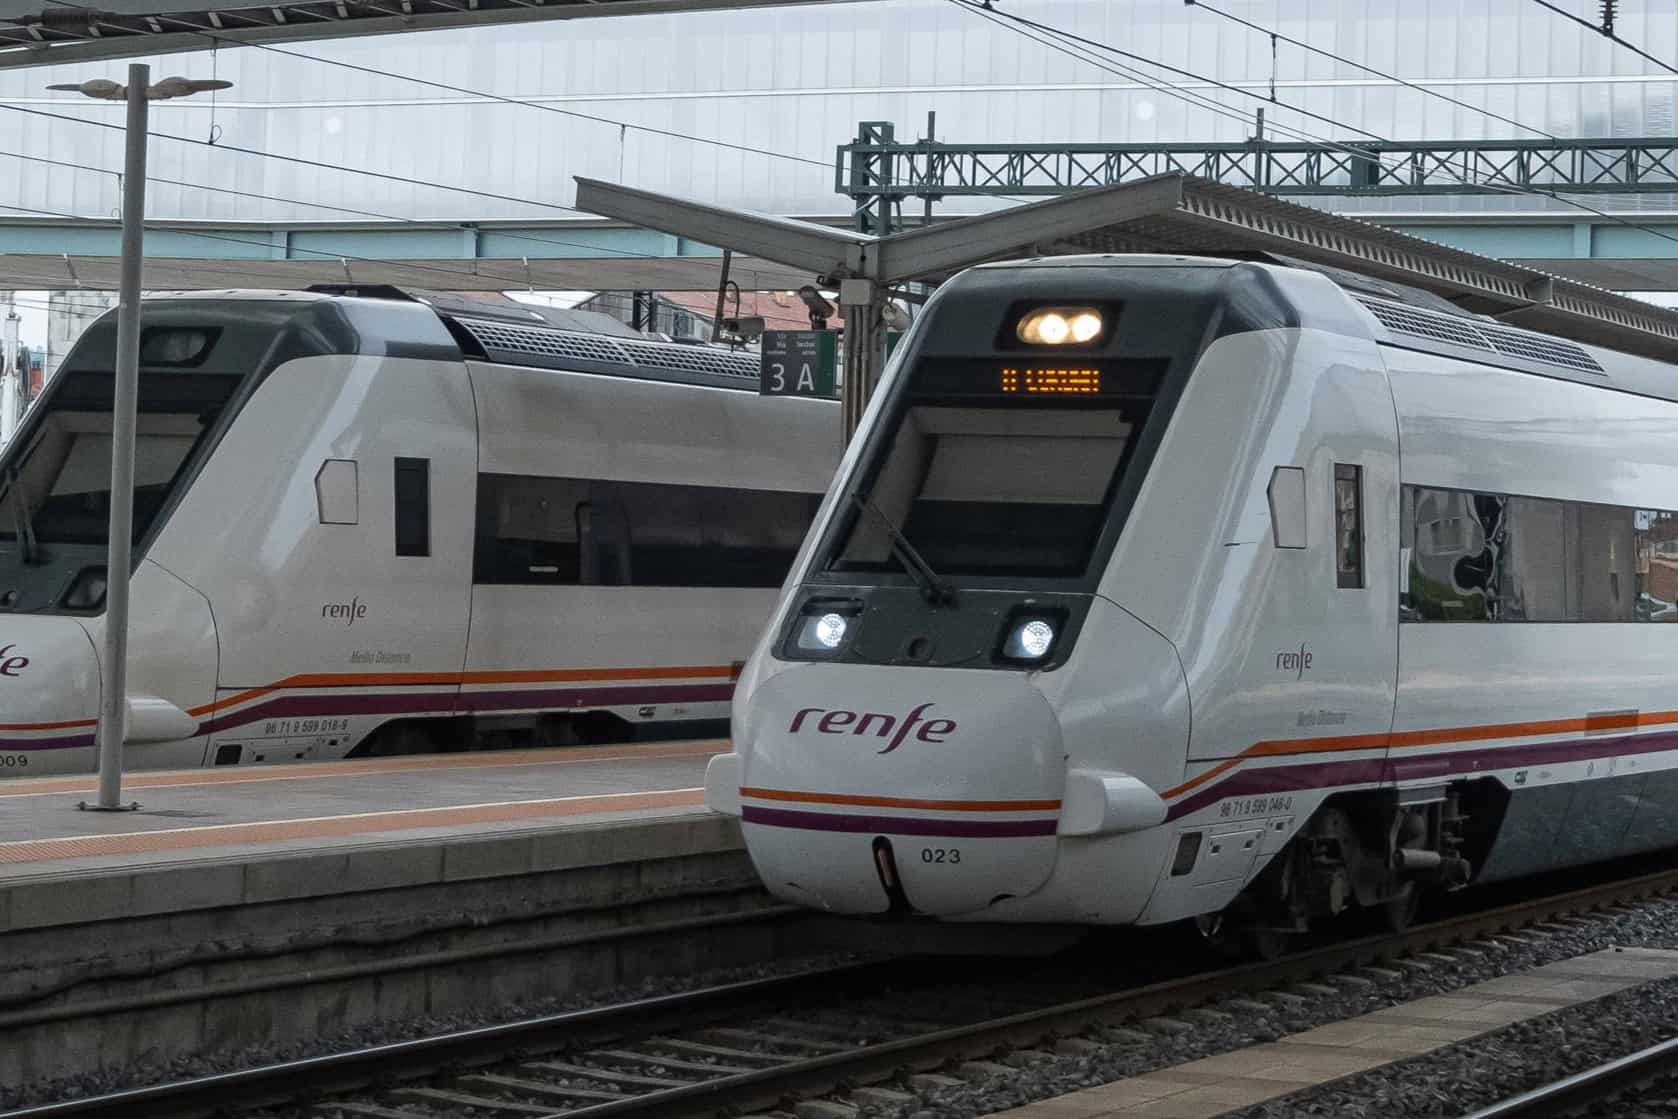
x,y
878,173
37,33
817,249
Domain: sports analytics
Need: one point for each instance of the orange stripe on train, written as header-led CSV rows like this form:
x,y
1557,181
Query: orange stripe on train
x,y
1439,736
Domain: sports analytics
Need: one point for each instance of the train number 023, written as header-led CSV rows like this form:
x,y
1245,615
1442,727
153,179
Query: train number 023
x,y
940,854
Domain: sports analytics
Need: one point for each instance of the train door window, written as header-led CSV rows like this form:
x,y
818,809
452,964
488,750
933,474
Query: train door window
x,y
1348,525
337,495
413,506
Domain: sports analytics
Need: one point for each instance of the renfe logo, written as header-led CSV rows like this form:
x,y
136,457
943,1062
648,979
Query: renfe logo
x,y
10,665
346,612
1295,663
883,726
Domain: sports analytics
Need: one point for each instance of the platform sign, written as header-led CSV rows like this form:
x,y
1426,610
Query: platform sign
x,y
799,363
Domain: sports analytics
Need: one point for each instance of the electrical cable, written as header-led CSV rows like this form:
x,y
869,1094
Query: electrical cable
x,y
219,38
1275,35
150,179
1608,33
300,160
979,7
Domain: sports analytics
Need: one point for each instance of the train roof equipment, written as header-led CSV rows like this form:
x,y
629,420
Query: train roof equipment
x,y
490,330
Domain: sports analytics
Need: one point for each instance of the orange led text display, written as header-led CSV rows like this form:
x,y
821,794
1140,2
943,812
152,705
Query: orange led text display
x,y
1051,382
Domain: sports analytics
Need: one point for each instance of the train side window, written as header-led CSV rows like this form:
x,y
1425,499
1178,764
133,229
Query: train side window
x,y
1656,550
337,492
1348,525
413,506
527,530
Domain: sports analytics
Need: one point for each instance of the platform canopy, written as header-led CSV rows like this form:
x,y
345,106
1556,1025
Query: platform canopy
x,y
1169,214
40,32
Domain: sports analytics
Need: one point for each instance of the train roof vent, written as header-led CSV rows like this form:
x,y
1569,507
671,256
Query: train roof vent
x,y
1427,324
562,349
1541,347
1523,344
564,344
700,359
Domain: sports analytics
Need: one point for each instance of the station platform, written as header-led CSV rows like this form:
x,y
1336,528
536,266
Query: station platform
x,y
241,836
280,904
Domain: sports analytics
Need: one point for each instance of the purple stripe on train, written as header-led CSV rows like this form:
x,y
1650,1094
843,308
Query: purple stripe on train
x,y
317,705
57,742
895,825
1255,780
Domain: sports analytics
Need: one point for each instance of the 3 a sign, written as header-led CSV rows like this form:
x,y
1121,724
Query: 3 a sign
x,y
798,363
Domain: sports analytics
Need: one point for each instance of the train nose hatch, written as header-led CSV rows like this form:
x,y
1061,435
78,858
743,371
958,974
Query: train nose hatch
x,y
868,790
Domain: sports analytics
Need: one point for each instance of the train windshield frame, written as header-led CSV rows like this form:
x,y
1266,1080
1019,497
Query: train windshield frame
x,y
55,481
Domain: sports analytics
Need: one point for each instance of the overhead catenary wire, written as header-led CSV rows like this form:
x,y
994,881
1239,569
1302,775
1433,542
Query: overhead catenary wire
x,y
1608,33
1065,38
395,218
300,160
219,38
1419,88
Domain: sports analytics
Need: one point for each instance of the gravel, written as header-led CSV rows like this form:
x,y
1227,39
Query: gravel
x,y
1448,1082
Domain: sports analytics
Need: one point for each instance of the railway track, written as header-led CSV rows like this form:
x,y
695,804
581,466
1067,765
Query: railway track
x,y
1572,1095
751,1046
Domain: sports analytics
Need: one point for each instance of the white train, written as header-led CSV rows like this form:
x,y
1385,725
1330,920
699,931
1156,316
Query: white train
x,y
367,523
1161,588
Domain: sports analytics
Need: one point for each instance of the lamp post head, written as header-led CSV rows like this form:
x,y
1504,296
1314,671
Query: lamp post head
x,y
106,90
102,88
183,87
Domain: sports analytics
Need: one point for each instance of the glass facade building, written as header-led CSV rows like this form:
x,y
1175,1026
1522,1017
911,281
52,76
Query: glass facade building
x,y
634,100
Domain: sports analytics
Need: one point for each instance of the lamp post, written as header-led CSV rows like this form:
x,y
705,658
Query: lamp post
x,y
113,695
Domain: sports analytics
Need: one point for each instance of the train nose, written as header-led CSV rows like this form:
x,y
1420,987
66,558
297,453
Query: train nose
x,y
860,798
49,684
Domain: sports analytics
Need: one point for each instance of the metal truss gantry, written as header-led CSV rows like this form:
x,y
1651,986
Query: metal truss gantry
x,y
876,171
42,32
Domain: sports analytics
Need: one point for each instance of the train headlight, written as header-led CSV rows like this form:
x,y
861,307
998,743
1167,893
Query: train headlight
x,y
829,630
1031,640
1061,326
824,631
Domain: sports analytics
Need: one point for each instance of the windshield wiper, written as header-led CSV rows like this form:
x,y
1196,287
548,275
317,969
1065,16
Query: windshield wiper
x,y
23,517
932,586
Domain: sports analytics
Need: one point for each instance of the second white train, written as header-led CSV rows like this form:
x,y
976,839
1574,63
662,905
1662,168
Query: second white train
x,y
380,525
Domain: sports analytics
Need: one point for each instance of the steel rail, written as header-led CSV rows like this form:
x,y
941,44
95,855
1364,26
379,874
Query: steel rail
x,y
1567,1095
746,1091
330,1073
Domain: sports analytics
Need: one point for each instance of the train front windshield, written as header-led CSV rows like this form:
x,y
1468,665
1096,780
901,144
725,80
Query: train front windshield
x,y
982,490
998,468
